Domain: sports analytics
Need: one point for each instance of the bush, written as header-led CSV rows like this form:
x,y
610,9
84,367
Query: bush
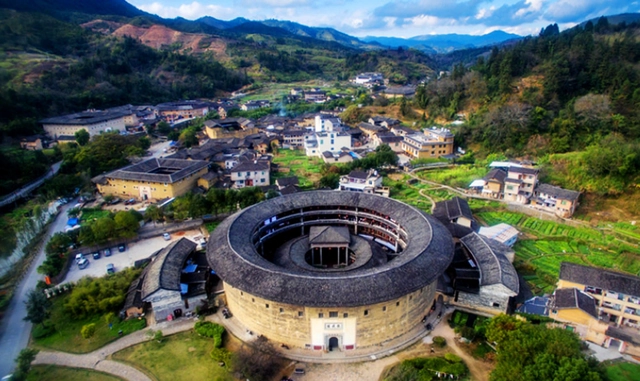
x,y
88,330
211,330
440,341
452,358
221,355
40,331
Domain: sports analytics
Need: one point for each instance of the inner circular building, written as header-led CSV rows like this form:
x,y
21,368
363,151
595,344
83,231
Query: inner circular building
x,y
330,270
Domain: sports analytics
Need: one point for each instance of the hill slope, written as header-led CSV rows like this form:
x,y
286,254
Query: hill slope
x,y
445,43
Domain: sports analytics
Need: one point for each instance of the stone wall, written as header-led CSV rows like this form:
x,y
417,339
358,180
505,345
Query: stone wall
x,y
311,327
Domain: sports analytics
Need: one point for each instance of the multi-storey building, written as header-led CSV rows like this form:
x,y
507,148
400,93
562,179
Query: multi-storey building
x,y
173,111
433,143
251,174
365,182
554,199
520,184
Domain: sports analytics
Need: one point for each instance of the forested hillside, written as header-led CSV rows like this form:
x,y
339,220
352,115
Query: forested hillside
x,y
570,99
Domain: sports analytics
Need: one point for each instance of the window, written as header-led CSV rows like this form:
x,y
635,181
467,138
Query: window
x,y
333,314
248,173
253,300
300,314
266,305
345,315
281,310
366,312
241,293
384,309
397,304
497,305
320,315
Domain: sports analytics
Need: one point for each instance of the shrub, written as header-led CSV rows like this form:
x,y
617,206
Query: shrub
x,y
88,330
452,358
40,331
221,355
440,341
211,330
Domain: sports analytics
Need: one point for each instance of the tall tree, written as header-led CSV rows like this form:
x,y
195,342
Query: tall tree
x,y
37,307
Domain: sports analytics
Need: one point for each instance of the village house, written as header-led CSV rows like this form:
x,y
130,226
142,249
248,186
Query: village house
x,y
368,78
561,202
229,128
503,233
369,130
492,185
399,92
455,214
254,105
364,182
32,143
520,184
316,96
293,139
433,143
383,121
390,139
328,136
341,156
604,308
251,174
153,179
94,122
174,111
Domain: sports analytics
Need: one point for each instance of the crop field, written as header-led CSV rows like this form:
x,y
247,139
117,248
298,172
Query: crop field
x,y
460,176
539,259
306,169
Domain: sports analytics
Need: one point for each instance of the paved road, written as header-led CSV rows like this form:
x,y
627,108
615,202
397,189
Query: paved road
x,y
14,332
25,190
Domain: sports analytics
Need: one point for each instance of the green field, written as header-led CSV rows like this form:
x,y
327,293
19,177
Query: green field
x,y
57,373
460,176
547,244
185,356
89,215
623,371
306,169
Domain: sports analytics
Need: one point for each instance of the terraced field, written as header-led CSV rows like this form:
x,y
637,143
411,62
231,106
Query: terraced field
x,y
548,244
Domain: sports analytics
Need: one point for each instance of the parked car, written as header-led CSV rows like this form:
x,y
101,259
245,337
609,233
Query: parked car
x,y
166,236
114,201
79,257
122,248
96,255
111,268
107,252
84,262
130,201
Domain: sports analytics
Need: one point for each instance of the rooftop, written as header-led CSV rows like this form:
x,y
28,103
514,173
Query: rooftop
x,y
165,269
257,165
573,298
557,192
490,256
85,117
157,170
605,279
329,235
234,257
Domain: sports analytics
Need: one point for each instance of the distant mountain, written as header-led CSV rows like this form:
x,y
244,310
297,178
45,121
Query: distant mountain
x,y
93,7
221,24
617,19
325,34
444,43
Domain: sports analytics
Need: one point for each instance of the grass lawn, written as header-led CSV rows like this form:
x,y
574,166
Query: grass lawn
x,y
67,336
57,373
211,226
184,356
623,371
89,215
306,169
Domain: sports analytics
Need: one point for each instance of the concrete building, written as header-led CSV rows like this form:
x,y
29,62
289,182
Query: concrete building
x,y
556,200
251,174
293,138
379,293
364,182
94,122
175,111
502,233
368,78
153,179
254,105
520,184
433,143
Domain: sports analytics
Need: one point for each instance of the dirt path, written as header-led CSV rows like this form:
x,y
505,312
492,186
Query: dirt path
x,y
479,370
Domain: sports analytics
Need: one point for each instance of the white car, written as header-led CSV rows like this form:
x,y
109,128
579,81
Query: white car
x,y
84,262
166,236
79,257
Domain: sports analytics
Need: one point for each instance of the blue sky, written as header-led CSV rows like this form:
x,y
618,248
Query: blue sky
x,y
401,18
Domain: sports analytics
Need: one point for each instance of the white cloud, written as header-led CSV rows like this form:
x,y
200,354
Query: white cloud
x,y
189,11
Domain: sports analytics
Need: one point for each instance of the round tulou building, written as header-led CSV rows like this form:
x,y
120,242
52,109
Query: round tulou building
x,y
327,270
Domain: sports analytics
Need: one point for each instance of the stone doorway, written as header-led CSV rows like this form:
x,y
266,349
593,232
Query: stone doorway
x,y
334,343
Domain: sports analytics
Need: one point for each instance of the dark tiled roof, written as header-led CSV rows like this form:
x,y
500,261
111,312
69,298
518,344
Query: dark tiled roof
x,y
329,235
233,256
286,181
573,298
289,189
625,334
164,271
496,174
510,180
452,209
490,256
85,117
600,278
259,165
557,192
536,305
358,175
370,127
144,171
524,170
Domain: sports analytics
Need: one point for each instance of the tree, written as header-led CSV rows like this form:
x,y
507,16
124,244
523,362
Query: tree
x,y
164,128
88,330
24,360
103,229
153,213
126,224
37,307
82,137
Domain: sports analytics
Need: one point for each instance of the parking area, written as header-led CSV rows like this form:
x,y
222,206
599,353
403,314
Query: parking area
x,y
134,252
